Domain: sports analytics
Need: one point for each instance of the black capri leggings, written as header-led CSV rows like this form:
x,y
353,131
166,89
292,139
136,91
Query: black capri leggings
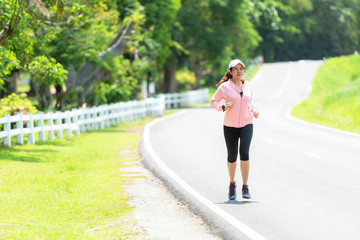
x,y
232,136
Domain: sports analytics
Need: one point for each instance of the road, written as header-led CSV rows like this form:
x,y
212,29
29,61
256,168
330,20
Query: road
x,y
304,179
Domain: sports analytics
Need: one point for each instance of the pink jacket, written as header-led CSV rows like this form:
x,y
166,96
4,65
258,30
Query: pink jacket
x,y
241,113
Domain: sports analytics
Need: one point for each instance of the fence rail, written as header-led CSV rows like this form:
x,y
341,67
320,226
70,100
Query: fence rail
x,y
81,120
185,99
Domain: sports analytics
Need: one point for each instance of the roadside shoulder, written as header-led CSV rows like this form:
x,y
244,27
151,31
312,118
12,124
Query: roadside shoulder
x,y
159,213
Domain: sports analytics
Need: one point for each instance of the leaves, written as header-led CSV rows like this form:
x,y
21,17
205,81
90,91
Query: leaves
x,y
15,103
47,71
8,61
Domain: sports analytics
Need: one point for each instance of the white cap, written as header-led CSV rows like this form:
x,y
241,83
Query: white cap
x,y
235,62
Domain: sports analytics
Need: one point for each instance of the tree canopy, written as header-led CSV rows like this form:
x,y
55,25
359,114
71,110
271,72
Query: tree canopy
x,y
98,51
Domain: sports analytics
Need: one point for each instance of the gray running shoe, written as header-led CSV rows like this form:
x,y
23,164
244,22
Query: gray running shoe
x,y
232,191
245,192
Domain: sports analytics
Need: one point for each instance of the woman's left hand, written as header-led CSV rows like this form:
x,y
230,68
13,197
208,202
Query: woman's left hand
x,y
256,114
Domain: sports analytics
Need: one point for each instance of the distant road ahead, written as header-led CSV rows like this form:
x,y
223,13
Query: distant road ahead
x,y
305,180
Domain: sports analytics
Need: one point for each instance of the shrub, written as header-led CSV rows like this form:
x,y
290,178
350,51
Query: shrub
x,y
16,103
185,79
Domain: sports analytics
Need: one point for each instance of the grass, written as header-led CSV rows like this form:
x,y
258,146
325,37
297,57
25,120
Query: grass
x,y
335,97
69,188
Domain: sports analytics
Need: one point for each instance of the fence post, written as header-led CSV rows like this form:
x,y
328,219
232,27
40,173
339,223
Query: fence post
x,y
31,137
113,114
7,128
117,113
94,118
68,124
75,118
88,118
107,115
102,114
59,122
122,112
81,119
20,125
50,122
42,130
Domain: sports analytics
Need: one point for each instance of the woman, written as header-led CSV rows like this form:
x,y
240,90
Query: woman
x,y
239,112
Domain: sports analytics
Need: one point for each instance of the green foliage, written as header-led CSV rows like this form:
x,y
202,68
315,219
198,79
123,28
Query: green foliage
x,y
71,97
267,16
47,71
201,35
160,17
335,97
210,36
89,30
124,83
206,29
185,79
16,103
8,61
325,28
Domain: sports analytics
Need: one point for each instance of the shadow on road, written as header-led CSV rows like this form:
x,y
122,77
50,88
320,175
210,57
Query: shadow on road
x,y
236,202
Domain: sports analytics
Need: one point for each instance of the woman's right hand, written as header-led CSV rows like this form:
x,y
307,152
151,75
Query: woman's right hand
x,y
229,105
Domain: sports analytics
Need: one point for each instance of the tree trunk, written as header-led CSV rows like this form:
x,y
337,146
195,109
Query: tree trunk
x,y
199,70
59,97
14,79
89,74
34,88
170,85
44,97
11,85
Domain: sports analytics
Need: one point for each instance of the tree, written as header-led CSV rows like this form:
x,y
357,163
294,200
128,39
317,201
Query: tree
x,y
17,38
268,17
10,16
210,32
322,28
46,72
79,35
160,19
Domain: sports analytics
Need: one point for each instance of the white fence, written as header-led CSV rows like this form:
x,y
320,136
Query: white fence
x,y
80,120
185,99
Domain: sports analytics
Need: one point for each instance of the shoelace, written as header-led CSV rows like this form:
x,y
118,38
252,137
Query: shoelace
x,y
232,188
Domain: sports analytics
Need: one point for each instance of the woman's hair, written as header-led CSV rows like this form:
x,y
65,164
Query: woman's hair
x,y
225,78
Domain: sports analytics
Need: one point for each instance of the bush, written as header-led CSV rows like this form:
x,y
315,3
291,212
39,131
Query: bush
x,y
185,79
16,103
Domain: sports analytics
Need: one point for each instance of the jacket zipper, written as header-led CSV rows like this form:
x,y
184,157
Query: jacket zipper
x,y
240,109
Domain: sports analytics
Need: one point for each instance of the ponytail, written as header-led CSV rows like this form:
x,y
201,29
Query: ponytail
x,y
225,78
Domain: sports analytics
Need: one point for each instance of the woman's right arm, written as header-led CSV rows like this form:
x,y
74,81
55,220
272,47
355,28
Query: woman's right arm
x,y
216,99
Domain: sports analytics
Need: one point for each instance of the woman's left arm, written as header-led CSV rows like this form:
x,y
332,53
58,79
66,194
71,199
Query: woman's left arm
x,y
254,109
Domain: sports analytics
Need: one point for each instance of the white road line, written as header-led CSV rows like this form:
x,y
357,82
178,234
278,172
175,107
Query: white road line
x,y
229,218
289,116
282,89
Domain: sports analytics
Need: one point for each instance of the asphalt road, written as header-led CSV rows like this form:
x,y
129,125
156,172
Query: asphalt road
x,y
304,179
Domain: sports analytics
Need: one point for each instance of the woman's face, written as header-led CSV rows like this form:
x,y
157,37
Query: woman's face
x,y
238,71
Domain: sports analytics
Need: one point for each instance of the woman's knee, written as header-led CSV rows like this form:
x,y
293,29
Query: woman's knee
x,y
244,156
231,158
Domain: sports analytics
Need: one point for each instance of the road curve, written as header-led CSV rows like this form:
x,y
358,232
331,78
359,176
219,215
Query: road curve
x,y
304,179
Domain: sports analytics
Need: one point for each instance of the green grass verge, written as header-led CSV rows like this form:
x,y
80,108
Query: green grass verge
x,y
69,188
335,97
